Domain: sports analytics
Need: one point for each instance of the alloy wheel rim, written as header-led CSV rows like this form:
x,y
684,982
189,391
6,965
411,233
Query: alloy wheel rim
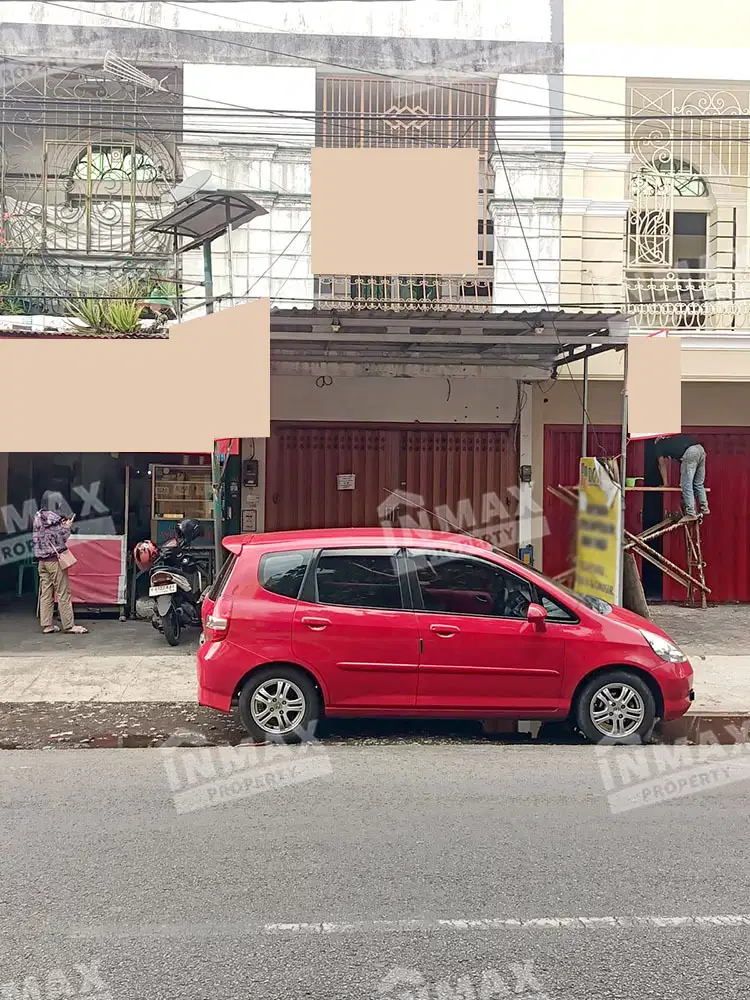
x,y
277,706
617,710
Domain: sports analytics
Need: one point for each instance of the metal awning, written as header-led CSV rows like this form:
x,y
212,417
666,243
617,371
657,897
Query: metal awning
x,y
207,214
524,345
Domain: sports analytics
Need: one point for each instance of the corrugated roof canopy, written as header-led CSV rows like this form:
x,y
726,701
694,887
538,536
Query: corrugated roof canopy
x,y
498,343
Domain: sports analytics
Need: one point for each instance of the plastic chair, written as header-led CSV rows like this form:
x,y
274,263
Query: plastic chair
x,y
22,567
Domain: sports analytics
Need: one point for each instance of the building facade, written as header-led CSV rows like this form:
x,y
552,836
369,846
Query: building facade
x,y
655,215
613,177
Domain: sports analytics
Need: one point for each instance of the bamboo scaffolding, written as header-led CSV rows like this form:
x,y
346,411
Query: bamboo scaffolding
x,y
692,578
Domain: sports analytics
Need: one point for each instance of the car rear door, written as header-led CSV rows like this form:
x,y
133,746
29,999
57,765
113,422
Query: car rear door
x,y
478,649
354,626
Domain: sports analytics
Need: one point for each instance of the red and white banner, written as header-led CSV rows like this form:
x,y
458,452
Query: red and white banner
x,y
100,573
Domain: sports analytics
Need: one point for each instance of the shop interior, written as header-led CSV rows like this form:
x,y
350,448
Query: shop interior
x,y
125,497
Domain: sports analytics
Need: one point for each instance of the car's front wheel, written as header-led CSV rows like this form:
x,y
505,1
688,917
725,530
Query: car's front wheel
x,y
616,707
279,703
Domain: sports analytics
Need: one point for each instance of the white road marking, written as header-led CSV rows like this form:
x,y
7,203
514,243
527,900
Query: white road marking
x,y
410,926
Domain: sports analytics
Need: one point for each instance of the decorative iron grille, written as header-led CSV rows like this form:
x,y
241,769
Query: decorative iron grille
x,y
84,164
681,138
375,112
706,128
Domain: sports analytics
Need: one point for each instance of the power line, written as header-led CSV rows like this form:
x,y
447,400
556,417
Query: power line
x,y
203,108
538,281
272,29
289,55
313,61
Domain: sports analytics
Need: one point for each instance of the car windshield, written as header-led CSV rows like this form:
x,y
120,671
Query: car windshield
x,y
594,603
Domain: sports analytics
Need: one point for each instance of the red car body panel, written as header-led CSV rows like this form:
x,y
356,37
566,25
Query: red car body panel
x,y
414,662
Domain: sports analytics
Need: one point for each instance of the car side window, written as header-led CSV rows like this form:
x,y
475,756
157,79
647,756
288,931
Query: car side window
x,y
460,585
555,612
282,573
368,579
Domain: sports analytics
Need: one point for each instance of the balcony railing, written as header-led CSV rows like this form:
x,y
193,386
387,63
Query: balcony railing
x,y
690,299
430,293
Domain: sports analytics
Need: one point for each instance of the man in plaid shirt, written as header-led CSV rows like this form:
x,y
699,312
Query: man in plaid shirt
x,y
50,538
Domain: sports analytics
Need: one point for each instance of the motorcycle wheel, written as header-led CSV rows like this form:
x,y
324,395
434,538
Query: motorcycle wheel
x,y
170,624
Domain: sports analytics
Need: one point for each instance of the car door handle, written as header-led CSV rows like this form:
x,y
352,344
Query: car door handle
x,y
445,631
316,624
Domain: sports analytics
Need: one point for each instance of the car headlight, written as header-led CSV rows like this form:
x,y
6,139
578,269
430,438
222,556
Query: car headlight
x,y
663,648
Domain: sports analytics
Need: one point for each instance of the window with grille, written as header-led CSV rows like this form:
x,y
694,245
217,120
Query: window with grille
x,y
374,112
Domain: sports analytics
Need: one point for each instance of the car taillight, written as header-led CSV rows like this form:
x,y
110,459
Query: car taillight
x,y
217,622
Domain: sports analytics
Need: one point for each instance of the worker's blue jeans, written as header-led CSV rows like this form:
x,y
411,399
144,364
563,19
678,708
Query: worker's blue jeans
x,y
692,479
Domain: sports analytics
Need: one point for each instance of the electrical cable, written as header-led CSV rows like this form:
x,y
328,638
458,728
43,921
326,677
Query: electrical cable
x,y
541,287
316,62
113,17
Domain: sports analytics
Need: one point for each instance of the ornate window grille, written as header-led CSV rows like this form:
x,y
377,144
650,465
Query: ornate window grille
x,y
374,112
84,163
115,163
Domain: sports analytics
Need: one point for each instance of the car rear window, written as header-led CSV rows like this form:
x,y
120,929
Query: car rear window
x,y
282,573
359,579
221,580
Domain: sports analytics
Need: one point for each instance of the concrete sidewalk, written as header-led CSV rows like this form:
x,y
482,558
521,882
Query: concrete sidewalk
x,y
131,662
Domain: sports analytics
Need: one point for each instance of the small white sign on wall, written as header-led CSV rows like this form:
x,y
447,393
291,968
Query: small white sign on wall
x,y
250,520
345,482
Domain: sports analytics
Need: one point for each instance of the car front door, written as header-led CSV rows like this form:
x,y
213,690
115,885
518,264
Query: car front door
x,y
478,650
354,624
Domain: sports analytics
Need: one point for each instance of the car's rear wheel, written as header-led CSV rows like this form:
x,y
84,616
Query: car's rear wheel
x,y
616,707
279,703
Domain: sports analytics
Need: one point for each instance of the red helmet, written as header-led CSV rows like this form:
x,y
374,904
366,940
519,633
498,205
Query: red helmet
x,y
145,554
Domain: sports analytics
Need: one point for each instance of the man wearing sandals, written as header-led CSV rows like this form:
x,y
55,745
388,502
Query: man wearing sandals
x,y
51,534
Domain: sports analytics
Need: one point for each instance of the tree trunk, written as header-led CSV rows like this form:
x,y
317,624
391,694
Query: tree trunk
x,y
633,597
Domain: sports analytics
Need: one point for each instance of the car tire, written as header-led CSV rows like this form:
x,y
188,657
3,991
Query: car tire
x,y
600,695
266,680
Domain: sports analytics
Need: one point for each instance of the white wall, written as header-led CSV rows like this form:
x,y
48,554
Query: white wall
x,y
468,19
211,87
397,400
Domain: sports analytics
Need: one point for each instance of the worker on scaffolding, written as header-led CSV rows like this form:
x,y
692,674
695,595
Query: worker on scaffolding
x,y
691,455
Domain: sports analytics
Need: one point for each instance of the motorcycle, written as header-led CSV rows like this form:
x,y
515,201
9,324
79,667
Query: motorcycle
x,y
177,583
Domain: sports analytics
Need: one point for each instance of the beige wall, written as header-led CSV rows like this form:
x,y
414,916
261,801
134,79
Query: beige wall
x,y
725,24
636,37
594,190
698,365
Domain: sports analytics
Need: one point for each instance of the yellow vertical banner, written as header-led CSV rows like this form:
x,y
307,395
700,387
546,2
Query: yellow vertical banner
x,y
598,533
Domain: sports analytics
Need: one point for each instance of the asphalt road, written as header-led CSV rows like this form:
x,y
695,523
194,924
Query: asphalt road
x,y
379,861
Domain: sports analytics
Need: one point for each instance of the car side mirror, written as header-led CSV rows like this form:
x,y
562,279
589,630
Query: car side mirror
x,y
536,614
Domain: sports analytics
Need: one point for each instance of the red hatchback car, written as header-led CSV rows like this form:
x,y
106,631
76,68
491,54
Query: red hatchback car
x,y
397,622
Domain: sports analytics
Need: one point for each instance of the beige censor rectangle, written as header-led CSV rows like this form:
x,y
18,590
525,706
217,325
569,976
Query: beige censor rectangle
x,y
394,211
654,386
209,380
